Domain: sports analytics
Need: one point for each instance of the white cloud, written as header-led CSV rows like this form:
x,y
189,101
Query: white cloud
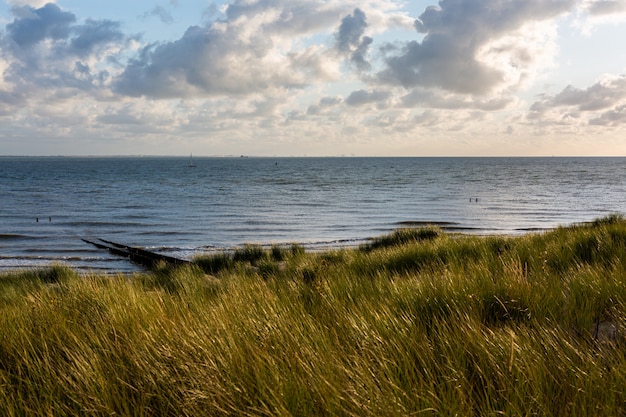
x,y
521,55
472,47
241,55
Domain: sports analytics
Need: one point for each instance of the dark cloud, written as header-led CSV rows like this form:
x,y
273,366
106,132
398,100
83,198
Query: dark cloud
x,y
34,25
12,98
483,20
455,33
175,68
361,97
82,68
602,95
324,104
95,33
350,38
613,117
441,61
350,31
359,56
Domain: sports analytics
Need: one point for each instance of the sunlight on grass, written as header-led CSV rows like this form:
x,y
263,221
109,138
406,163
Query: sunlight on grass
x,y
418,322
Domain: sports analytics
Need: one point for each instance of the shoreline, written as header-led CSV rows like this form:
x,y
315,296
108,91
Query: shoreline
x,y
95,259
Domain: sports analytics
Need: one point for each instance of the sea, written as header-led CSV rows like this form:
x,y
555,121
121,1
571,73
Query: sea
x,y
172,206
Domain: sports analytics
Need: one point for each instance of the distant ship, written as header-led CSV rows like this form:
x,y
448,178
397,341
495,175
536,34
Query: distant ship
x,y
191,164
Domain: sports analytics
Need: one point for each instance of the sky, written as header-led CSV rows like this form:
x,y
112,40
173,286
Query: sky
x,y
313,77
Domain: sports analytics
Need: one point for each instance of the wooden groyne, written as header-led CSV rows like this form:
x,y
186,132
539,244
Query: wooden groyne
x,y
139,256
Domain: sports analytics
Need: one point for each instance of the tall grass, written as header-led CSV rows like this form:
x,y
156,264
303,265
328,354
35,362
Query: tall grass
x,y
434,324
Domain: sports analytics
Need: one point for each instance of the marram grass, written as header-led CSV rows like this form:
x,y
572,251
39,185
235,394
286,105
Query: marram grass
x,y
416,323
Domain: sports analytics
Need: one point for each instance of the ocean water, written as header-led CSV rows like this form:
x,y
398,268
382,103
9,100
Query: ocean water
x,y
49,204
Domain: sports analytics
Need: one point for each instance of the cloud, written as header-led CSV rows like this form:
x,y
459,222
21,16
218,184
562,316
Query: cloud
x,y
360,97
49,56
259,45
604,94
204,61
350,31
592,13
95,33
462,50
614,117
49,23
121,116
350,39
324,105
34,25
425,98
248,51
252,46
603,103
31,3
276,74
604,7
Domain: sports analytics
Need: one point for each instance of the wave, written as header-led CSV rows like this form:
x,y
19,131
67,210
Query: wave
x,y
107,265
14,236
100,223
168,233
418,223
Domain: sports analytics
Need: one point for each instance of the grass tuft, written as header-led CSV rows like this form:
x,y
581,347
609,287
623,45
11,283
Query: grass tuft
x,y
402,237
55,274
250,253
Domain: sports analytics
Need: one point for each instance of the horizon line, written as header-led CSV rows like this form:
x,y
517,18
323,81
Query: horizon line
x,y
243,156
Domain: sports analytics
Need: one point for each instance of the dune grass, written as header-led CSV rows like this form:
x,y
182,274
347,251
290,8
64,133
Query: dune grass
x,y
419,322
